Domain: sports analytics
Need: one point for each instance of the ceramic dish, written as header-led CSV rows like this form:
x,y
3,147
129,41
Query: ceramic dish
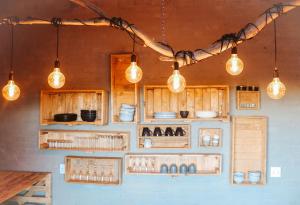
x,y
206,114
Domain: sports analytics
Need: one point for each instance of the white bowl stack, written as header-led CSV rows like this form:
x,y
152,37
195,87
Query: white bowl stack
x,y
127,112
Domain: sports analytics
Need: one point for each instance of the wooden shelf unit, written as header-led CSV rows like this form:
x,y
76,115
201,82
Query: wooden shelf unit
x,y
72,101
93,170
210,132
158,98
122,91
165,142
149,164
247,100
88,141
249,147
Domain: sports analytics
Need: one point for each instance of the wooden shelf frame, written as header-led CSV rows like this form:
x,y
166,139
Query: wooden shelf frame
x,y
122,91
72,101
158,98
249,147
211,132
244,98
87,141
149,164
93,170
165,142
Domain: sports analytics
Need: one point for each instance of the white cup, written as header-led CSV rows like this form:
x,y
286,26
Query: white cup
x,y
206,140
147,143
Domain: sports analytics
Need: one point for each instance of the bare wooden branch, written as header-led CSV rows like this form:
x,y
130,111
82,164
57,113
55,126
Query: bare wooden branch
x,y
184,57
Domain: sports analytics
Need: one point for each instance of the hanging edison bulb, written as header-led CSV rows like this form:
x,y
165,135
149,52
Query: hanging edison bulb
x,y
234,65
276,89
56,79
11,91
133,73
176,82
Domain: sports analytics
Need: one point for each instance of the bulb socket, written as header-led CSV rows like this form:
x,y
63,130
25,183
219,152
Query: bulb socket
x,y
11,75
234,50
133,58
176,65
56,63
276,73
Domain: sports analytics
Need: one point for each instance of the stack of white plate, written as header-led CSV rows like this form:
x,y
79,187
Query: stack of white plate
x,y
127,113
165,115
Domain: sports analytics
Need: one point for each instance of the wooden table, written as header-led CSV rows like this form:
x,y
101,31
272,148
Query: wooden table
x,y
14,182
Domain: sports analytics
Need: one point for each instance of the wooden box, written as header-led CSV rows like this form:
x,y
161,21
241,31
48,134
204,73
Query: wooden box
x,y
192,99
210,137
163,142
72,101
249,147
93,170
89,141
122,91
150,164
247,100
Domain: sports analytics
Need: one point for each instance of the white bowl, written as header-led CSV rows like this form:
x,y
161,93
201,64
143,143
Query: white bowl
x,y
165,113
206,114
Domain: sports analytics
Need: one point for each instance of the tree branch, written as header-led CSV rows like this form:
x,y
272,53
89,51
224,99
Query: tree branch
x,y
184,57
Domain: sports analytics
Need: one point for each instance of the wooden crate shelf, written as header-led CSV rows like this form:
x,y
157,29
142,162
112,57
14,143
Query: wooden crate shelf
x,y
93,170
72,101
164,142
88,141
249,147
210,137
158,98
149,164
247,100
122,91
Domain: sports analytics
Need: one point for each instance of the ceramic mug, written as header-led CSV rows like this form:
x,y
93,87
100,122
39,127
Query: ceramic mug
x,y
169,131
157,131
183,169
206,140
215,140
179,131
192,169
164,169
146,131
173,168
238,177
147,143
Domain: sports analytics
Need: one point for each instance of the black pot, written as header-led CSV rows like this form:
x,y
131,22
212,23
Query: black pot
x,y
65,117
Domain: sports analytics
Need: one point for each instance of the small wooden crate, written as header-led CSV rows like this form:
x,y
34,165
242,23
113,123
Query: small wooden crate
x,y
165,142
93,170
150,164
72,101
249,147
89,141
122,91
193,98
247,100
212,134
